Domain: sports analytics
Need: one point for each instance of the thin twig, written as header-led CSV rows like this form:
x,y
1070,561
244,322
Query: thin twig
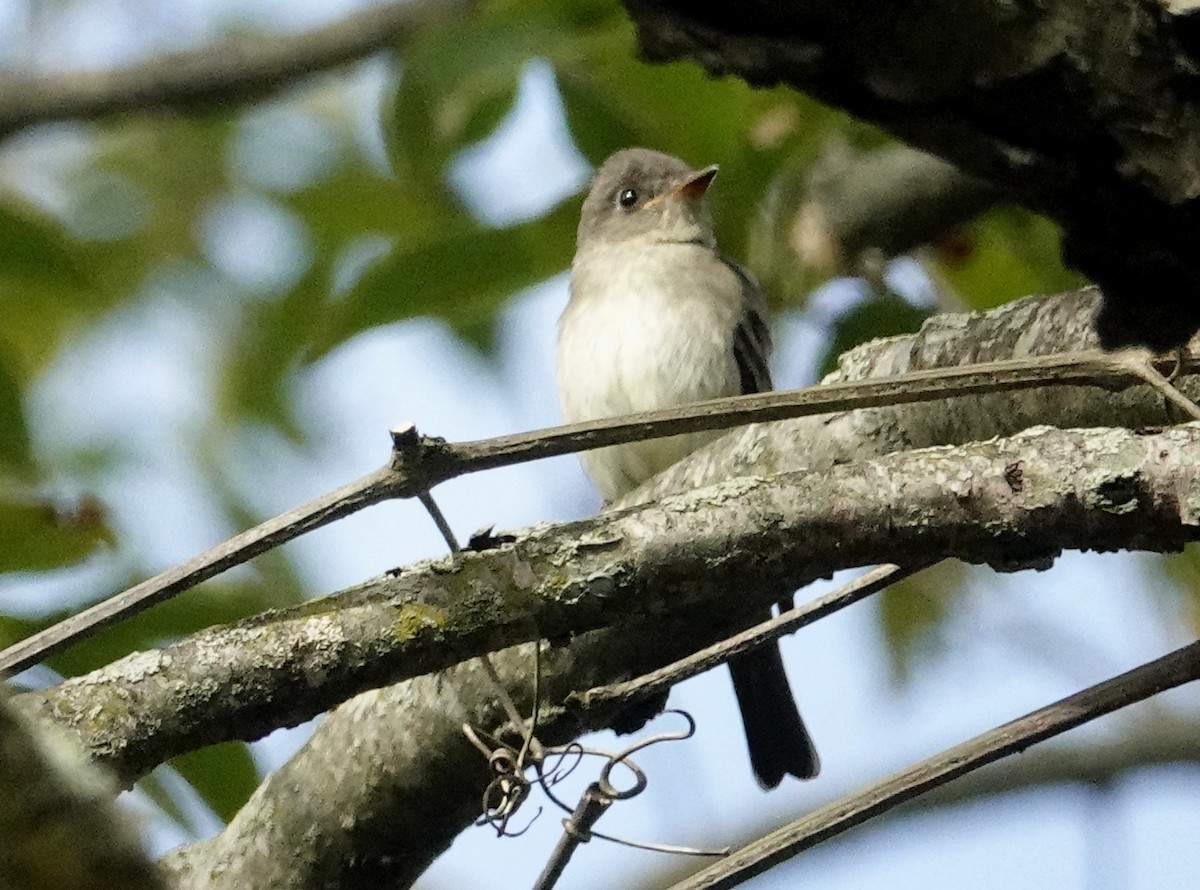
x,y
439,519
408,433
1179,667
419,464
234,69
1140,362
576,830
655,682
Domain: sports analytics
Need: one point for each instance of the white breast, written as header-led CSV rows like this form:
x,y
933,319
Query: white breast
x,y
628,343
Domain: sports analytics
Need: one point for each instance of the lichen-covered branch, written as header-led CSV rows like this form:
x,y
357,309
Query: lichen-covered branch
x,y
1011,503
1033,326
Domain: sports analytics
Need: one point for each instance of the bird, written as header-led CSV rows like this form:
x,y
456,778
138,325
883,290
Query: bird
x,y
657,317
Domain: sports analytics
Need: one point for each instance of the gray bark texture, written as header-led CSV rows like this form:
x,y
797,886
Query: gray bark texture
x,y
387,780
1088,112
59,827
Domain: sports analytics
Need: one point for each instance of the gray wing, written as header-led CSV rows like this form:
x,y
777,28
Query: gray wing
x,y
752,336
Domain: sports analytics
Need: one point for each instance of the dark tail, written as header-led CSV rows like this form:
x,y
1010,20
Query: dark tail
x,y
778,742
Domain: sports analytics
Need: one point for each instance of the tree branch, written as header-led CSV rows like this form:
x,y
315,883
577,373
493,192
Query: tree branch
x,y
60,828
233,70
420,463
406,738
396,759
1181,666
1087,113
1012,503
1030,327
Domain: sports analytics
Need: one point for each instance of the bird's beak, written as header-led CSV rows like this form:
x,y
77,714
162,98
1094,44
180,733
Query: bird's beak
x,y
691,189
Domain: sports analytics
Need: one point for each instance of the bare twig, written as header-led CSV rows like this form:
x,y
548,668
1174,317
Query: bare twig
x,y
641,688
1041,491
1140,362
1175,669
439,519
599,796
418,464
233,70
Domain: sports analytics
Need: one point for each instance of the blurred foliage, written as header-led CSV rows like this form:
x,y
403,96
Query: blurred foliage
x,y
1183,575
1005,254
881,315
913,613
380,239
224,776
39,534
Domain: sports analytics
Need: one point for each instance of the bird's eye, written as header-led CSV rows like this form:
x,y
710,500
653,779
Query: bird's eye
x,y
627,198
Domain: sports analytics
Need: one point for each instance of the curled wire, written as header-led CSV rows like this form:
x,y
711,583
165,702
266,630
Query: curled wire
x,y
510,785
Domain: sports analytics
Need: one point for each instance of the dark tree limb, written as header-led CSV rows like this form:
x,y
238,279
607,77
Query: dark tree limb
x,y
1089,113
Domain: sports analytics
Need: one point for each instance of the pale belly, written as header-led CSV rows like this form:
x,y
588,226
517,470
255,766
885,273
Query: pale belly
x,y
642,353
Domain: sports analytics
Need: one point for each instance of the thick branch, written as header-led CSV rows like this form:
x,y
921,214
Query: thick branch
x,y
1087,112
1012,503
59,826
1034,326
420,463
235,70
397,760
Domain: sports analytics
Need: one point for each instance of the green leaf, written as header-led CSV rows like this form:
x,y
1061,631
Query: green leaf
x,y
880,316
224,775
13,630
16,453
352,205
36,248
913,612
1007,253
463,276
267,349
1182,571
459,79
164,173
38,534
